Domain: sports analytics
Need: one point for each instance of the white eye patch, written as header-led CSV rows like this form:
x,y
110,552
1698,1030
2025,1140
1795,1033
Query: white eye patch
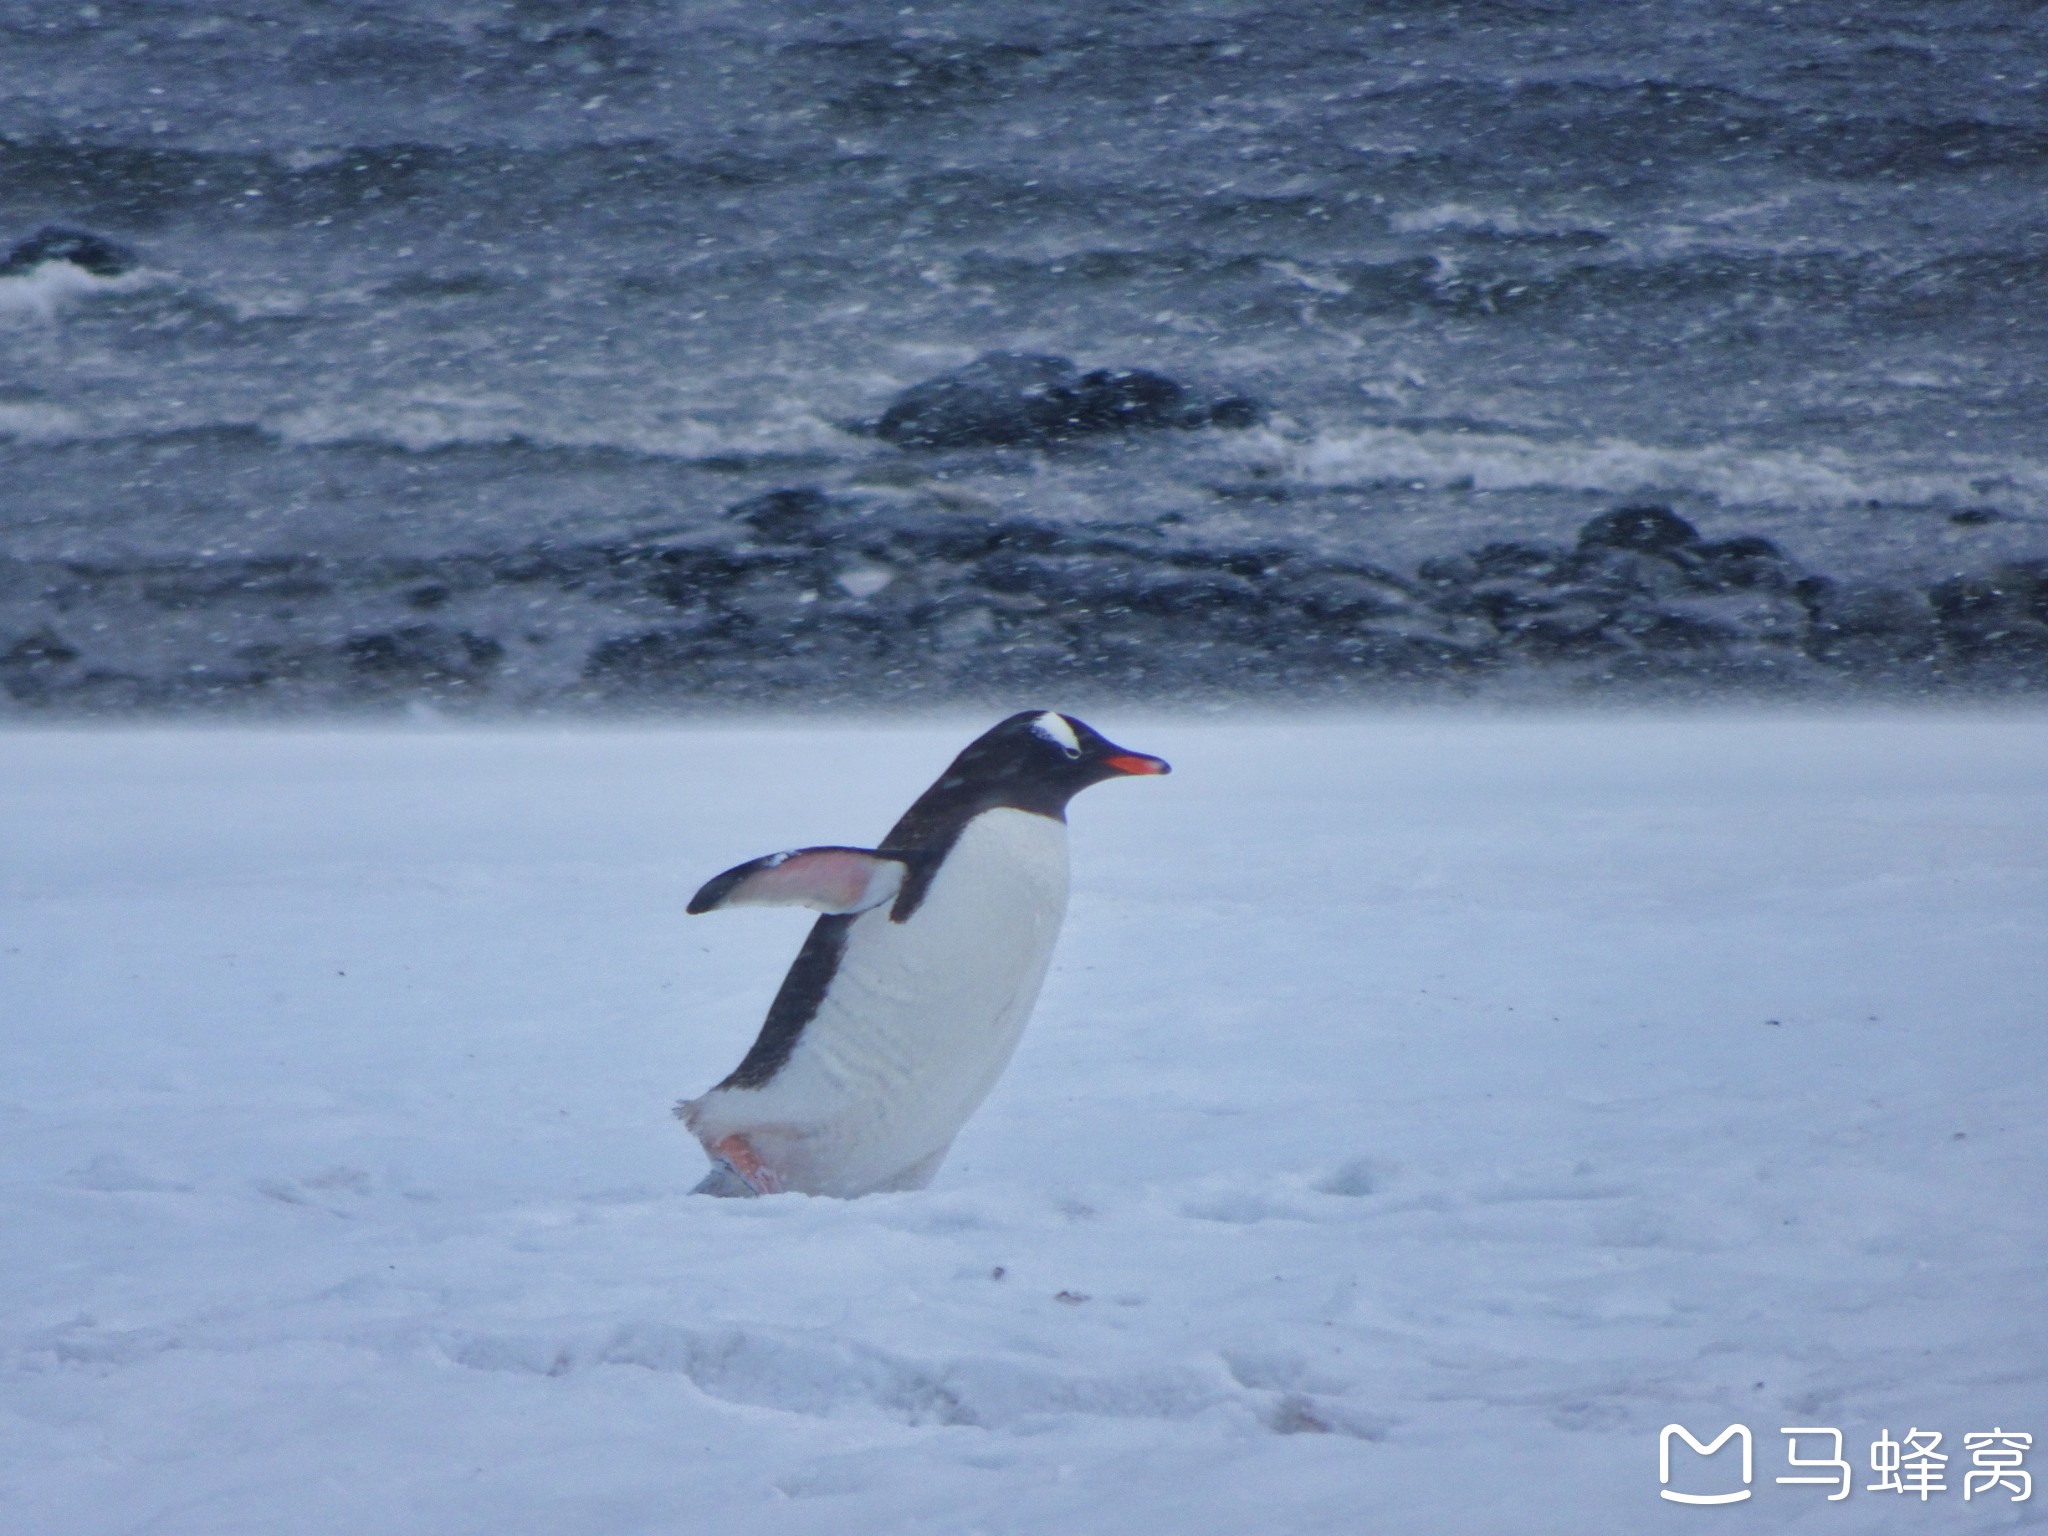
x,y
1055,729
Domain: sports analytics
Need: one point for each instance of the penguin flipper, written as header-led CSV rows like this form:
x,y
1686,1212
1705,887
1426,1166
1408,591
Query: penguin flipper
x,y
835,880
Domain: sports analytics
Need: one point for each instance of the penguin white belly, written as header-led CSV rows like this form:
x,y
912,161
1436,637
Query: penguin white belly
x,y
917,1024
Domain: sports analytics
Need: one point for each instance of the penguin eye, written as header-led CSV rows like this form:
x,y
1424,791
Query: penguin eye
x,y
1071,752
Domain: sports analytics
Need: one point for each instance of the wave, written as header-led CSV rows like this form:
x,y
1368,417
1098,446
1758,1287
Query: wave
x,y
423,425
1734,476
41,292
1503,221
1440,456
37,421
295,185
428,425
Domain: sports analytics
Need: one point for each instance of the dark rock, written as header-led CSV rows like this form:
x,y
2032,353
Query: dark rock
x,y
653,657
1624,575
1516,559
685,578
566,567
427,598
1006,571
865,594
202,583
1347,595
1447,575
1760,616
38,666
1976,517
421,654
768,602
1740,563
2002,615
1172,592
1078,582
1647,530
1505,599
1234,413
806,519
1000,399
1414,648
1639,583
1118,399
1255,564
966,536
1865,626
1618,583
44,648
1030,399
1558,631
83,249
796,516
1665,630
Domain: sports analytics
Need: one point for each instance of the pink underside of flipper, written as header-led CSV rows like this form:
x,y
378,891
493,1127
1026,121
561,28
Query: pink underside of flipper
x,y
830,879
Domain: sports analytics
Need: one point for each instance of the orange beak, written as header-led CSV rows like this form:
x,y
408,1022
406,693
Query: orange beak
x,y
1137,762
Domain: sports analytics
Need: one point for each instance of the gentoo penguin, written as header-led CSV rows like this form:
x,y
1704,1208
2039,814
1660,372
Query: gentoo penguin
x,y
906,1001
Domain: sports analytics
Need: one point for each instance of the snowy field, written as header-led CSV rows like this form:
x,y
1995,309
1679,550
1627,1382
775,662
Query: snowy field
x,y
1423,1111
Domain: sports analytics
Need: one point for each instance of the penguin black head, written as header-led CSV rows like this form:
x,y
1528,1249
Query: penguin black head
x,y
1044,750
1034,761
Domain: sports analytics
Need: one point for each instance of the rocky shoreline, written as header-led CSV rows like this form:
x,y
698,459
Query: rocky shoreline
x,y
877,596
803,596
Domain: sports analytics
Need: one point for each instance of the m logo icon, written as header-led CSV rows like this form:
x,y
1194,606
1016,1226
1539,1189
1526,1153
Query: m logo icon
x,y
1664,1463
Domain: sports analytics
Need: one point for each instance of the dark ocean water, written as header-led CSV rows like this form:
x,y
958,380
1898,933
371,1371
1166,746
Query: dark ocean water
x,y
434,282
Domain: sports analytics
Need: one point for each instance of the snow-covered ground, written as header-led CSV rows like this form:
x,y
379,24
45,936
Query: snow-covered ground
x,y
1423,1111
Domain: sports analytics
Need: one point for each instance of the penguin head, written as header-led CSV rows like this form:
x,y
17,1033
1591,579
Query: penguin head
x,y
1042,756
1034,761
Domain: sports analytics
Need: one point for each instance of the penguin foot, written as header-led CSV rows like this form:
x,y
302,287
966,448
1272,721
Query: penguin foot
x,y
724,1183
736,1158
